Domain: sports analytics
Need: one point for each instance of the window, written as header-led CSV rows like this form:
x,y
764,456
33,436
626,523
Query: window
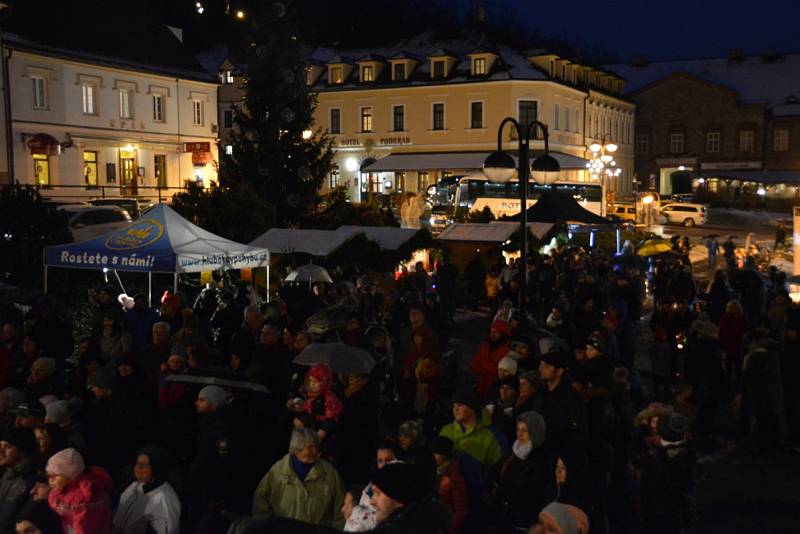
x,y
39,92
438,70
399,71
399,181
712,141
746,140
527,112
676,143
229,150
226,76
336,75
557,117
398,118
479,66
366,119
333,178
89,92
336,121
41,169
577,121
125,107
158,108
641,143
564,72
227,118
476,115
438,117
780,140
423,181
160,168
367,74
566,120
197,112
90,168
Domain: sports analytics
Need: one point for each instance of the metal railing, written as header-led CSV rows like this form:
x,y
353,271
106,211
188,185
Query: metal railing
x,y
79,193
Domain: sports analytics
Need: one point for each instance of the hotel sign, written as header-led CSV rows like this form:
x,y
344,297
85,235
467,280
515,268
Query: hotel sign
x,y
382,141
731,165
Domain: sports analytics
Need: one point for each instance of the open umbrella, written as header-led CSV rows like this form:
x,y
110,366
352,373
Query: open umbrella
x,y
340,357
217,381
651,247
309,273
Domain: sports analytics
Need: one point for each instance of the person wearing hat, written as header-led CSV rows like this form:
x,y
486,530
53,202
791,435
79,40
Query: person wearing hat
x,y
139,321
476,447
563,410
79,494
449,482
401,503
17,449
525,357
525,482
28,414
502,407
491,351
42,379
115,340
150,502
558,518
301,485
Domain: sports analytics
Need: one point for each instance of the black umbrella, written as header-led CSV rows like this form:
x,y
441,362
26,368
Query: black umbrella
x,y
338,356
208,380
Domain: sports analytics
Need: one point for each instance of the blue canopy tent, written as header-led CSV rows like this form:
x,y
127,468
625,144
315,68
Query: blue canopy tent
x,y
161,241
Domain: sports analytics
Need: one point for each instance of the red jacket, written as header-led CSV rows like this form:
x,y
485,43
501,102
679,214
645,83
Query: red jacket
x,y
84,504
453,495
732,330
484,364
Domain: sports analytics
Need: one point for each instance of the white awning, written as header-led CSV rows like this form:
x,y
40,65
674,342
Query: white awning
x,y
387,237
318,243
494,232
455,160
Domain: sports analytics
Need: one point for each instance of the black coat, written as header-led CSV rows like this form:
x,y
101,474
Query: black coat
x,y
525,487
565,418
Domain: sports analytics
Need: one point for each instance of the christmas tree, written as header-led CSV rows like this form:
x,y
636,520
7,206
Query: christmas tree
x,y
275,149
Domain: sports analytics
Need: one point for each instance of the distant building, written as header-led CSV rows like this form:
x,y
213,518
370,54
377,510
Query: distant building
x,y
726,128
97,111
404,116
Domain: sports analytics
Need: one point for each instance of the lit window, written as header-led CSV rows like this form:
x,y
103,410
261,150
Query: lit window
x,y
229,150
641,143
333,177
39,92
41,169
158,108
479,66
197,112
398,118
335,75
89,92
438,116
399,71
366,119
746,140
125,108
90,168
367,74
676,143
780,140
226,76
476,115
712,141
336,121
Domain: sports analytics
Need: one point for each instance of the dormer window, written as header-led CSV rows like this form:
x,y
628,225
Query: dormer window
x,y
226,76
479,66
438,69
335,76
367,74
399,72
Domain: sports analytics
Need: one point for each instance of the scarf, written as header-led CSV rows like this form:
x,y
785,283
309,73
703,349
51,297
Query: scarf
x,y
522,450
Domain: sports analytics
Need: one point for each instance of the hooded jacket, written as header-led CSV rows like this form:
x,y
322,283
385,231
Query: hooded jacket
x,y
83,505
477,450
153,506
484,364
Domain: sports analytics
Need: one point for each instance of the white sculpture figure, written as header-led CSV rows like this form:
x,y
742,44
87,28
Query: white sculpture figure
x,y
412,206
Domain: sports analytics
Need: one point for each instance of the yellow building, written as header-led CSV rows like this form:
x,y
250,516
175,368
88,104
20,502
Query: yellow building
x,y
403,117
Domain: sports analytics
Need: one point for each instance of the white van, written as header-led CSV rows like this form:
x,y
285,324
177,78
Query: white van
x,y
684,213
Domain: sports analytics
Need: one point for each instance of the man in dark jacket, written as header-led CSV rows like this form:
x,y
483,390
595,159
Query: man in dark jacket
x,y
140,320
563,410
245,340
761,375
17,445
152,355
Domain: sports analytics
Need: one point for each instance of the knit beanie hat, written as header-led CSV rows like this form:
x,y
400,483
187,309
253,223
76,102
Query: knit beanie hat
x,y
570,519
510,381
214,395
536,427
471,399
400,481
104,378
58,413
46,365
68,463
441,445
509,364
21,438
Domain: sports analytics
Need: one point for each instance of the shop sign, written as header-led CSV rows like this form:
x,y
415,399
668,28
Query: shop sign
x,y
731,165
676,162
394,141
349,141
197,147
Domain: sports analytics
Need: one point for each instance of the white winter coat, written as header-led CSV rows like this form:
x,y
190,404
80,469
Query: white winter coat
x,y
160,509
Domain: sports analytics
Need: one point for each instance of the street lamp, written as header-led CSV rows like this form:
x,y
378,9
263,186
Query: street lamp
x,y
602,166
499,168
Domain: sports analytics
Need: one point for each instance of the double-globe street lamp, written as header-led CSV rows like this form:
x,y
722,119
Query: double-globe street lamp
x,y
500,168
602,167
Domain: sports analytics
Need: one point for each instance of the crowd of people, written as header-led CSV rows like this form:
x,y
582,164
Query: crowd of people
x,y
193,417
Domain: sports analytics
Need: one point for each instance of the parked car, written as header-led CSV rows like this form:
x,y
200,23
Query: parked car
x,y
623,211
683,197
131,205
87,222
684,213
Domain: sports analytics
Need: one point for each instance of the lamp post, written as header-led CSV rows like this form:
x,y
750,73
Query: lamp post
x,y
499,168
602,166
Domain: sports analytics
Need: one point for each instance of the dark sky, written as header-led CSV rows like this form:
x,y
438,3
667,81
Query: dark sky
x,y
669,28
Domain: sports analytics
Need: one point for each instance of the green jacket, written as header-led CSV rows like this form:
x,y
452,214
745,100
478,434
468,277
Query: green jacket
x,y
478,450
317,500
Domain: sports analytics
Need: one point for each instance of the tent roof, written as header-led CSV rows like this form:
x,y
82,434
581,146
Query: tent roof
x,y
387,237
160,241
318,243
554,206
494,232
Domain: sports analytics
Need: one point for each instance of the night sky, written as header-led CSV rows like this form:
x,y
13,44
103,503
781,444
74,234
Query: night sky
x,y
670,29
